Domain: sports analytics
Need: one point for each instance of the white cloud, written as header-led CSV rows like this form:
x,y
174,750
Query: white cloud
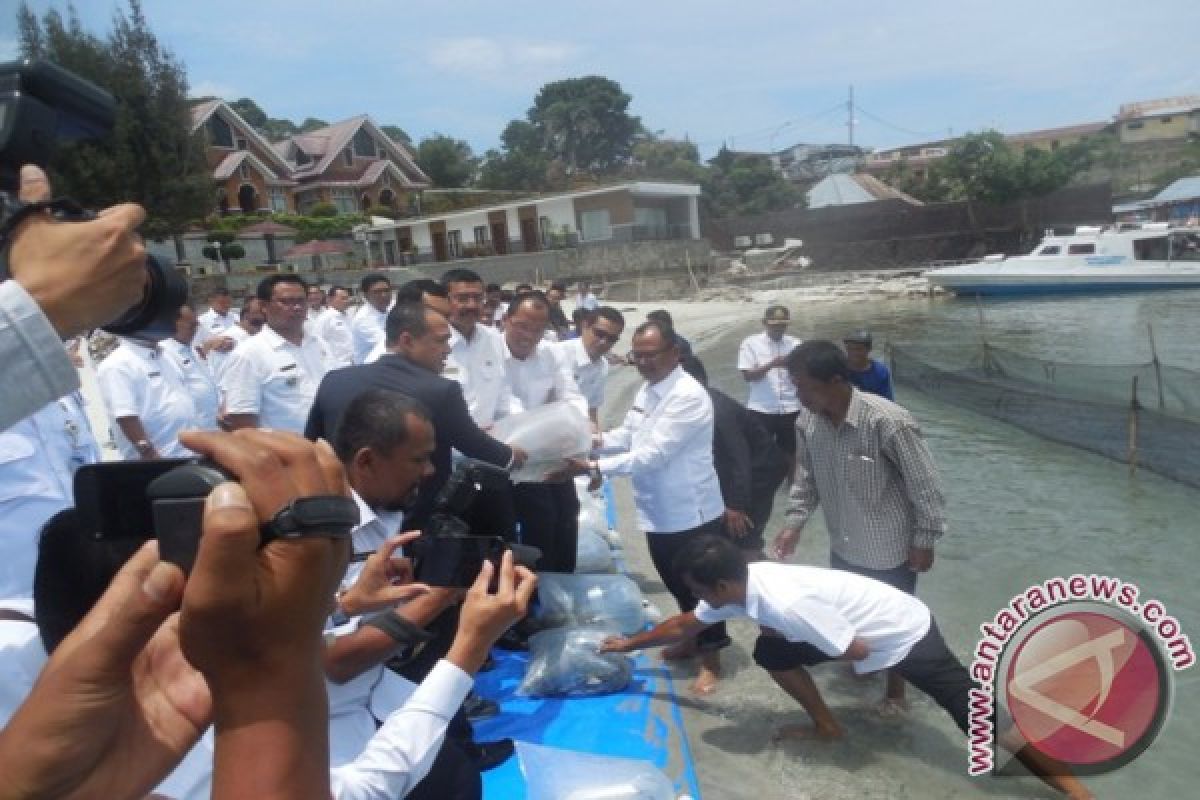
x,y
207,88
484,58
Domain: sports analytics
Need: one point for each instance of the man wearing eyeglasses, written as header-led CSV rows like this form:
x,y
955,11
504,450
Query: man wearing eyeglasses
x,y
665,445
272,377
585,356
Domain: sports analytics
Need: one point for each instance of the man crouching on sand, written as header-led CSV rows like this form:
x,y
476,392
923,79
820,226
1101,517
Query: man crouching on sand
x,y
810,615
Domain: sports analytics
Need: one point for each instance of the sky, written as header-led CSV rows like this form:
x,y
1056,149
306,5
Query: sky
x,y
753,75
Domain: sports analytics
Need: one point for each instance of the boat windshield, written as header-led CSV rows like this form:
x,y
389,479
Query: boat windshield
x,y
1151,249
1049,250
1081,249
1185,246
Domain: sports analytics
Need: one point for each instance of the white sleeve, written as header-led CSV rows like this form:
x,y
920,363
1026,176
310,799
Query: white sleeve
x,y
402,751
31,348
565,386
242,383
122,391
746,359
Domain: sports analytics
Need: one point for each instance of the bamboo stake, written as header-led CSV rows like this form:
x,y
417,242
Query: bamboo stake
x,y
1133,428
1157,367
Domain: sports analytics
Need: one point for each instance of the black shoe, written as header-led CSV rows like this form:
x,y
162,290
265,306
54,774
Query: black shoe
x,y
479,708
513,640
489,754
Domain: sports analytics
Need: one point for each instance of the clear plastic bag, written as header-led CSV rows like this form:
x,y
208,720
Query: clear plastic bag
x,y
564,662
548,434
555,774
592,554
581,600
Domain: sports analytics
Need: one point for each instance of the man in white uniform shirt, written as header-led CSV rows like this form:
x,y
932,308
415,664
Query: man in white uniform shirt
x,y
332,327
216,321
665,444
147,401
477,353
547,512
193,370
371,318
316,302
585,356
584,298
38,459
809,616
252,320
272,377
762,359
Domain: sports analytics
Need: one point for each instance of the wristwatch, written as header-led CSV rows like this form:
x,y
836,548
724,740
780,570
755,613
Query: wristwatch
x,y
331,516
143,445
594,469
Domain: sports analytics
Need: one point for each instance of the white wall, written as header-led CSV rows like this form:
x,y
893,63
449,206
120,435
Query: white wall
x,y
560,211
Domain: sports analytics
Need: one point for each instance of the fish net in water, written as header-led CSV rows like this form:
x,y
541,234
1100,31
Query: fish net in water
x,y
1144,414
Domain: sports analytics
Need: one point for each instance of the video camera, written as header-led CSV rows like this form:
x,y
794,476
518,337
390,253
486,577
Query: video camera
x,y
446,554
40,105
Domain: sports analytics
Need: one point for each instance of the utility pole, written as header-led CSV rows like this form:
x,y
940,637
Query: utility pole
x,y
850,114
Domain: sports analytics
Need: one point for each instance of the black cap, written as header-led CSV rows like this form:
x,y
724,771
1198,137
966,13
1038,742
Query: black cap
x,y
858,337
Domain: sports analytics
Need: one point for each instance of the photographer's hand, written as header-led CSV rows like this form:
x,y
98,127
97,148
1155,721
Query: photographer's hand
x,y
253,616
81,274
116,707
385,580
487,615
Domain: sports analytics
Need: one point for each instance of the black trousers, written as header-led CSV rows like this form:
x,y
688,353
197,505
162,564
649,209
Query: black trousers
x,y
453,776
548,519
929,666
782,428
899,577
663,549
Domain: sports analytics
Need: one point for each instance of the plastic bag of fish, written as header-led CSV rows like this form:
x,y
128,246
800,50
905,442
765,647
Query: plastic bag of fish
x,y
555,774
565,662
583,600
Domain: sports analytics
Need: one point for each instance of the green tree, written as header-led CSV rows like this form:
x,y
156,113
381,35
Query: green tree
x,y
447,161
151,157
250,111
585,124
741,185
223,247
522,164
312,124
667,160
396,134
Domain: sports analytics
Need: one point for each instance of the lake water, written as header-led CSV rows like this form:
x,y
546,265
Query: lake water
x,y
1020,510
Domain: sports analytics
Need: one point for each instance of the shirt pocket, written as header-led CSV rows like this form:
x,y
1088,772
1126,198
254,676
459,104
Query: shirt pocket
x,y
866,474
20,475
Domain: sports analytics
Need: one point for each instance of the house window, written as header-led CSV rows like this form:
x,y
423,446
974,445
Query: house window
x,y
1135,125
454,244
345,201
363,144
302,157
243,172
219,132
278,200
482,234
1165,120
348,157
596,224
1081,249
241,143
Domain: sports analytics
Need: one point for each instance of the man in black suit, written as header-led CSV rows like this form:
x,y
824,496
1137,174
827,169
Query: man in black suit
x,y
418,340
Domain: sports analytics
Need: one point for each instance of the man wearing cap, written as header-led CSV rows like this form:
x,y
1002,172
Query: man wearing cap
x,y
762,359
865,372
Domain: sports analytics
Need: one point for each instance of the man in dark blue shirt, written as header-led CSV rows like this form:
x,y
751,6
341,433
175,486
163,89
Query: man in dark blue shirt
x,y
866,373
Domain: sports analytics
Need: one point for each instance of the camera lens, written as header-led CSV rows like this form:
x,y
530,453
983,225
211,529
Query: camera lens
x,y
154,316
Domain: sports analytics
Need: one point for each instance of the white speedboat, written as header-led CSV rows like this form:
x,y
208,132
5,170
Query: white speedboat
x,y
1092,259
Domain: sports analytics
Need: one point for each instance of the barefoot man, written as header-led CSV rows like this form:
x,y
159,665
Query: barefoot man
x,y
810,615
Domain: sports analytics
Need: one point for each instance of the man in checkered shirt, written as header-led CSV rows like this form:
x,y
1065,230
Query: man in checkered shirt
x,y
863,459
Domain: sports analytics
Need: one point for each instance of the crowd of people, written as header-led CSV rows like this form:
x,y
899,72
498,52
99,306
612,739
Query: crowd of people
x,y
315,665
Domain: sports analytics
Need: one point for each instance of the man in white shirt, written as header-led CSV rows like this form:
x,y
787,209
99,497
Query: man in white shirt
x,y
585,356
584,298
316,302
547,512
193,370
371,318
38,459
148,403
811,615
333,328
762,359
665,444
216,320
253,317
477,353
272,377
